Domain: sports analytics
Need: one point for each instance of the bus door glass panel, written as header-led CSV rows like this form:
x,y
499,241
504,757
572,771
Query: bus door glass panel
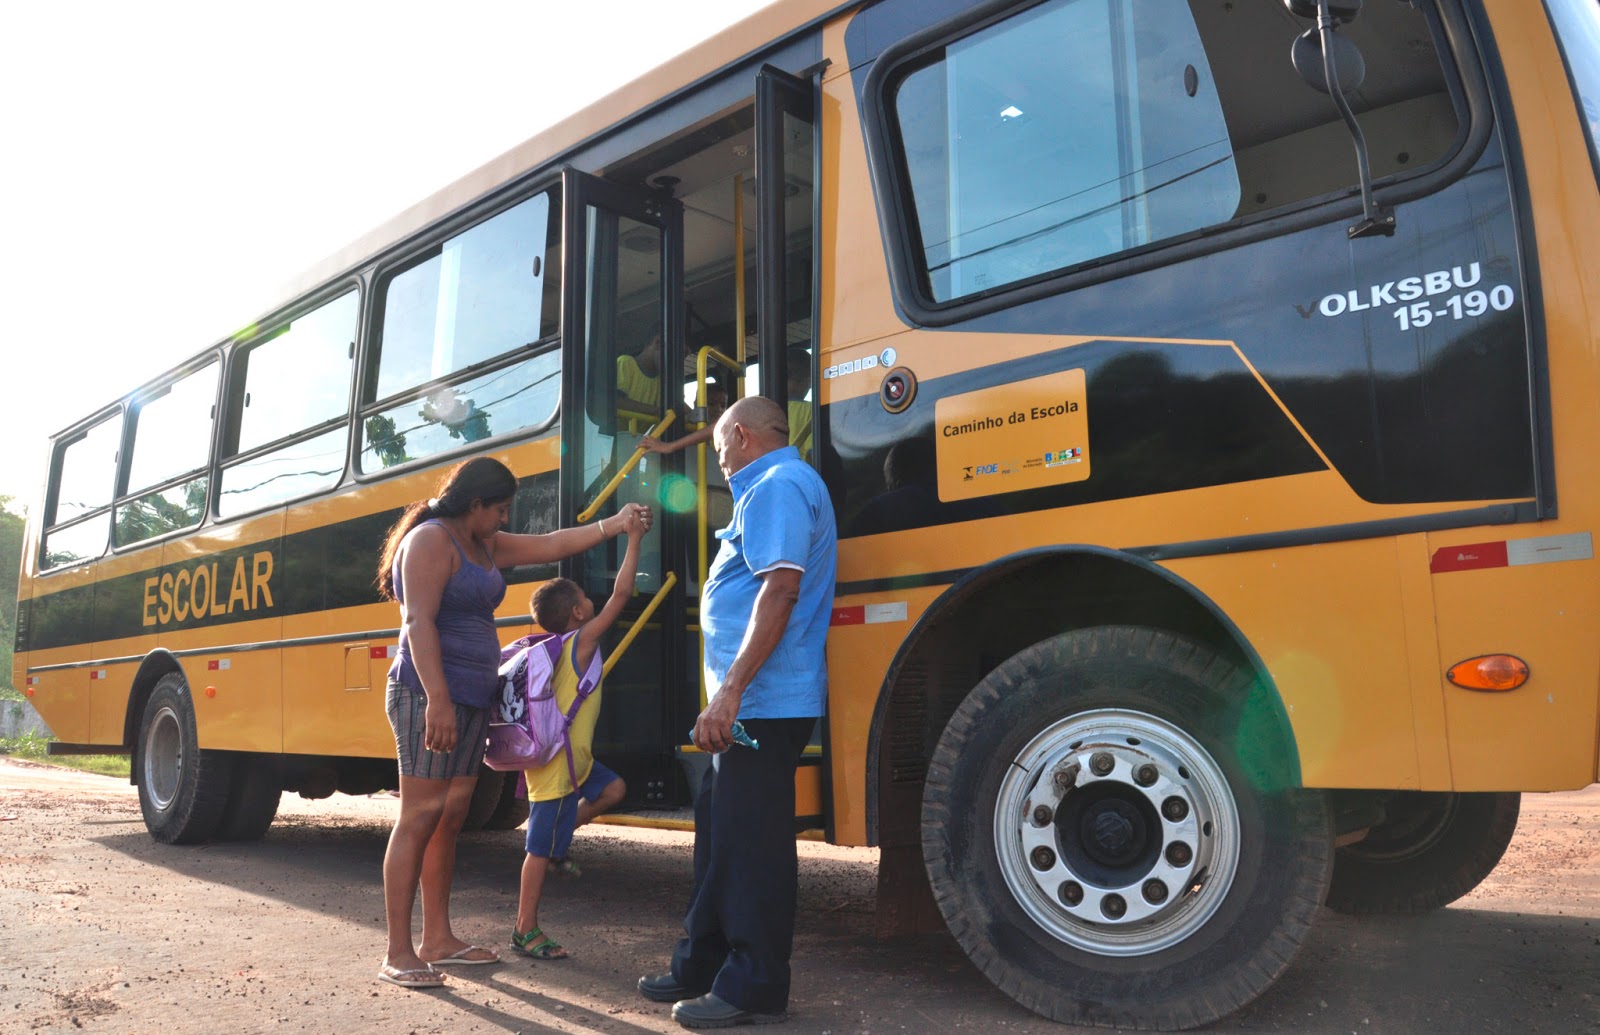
x,y
786,197
622,297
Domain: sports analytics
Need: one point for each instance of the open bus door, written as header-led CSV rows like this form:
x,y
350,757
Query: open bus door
x,y
622,329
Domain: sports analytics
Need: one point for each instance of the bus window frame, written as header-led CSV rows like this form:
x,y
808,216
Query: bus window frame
x,y
130,424
231,399
58,449
412,253
1464,78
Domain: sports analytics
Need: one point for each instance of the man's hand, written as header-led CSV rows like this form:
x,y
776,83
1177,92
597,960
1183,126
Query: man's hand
x,y
713,730
439,726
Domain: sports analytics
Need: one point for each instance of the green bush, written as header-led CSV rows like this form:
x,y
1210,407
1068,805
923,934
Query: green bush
x,y
35,748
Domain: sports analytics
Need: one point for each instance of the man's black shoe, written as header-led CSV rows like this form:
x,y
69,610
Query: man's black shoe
x,y
710,1012
664,988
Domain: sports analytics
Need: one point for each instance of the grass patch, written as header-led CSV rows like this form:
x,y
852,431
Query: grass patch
x,y
35,748
9,694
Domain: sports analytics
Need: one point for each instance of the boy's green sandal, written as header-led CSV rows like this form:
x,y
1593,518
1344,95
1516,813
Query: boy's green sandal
x,y
565,867
536,945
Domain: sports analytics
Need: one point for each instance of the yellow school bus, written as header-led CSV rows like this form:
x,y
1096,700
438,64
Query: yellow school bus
x,y
1207,394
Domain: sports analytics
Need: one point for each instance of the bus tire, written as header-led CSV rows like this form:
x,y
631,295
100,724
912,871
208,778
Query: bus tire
x,y
1175,876
183,788
1430,849
512,811
253,798
485,798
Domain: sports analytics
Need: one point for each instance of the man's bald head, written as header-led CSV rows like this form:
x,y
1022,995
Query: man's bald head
x,y
750,429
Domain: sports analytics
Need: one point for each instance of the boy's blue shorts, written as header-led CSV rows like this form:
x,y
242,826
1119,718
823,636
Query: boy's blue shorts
x,y
551,823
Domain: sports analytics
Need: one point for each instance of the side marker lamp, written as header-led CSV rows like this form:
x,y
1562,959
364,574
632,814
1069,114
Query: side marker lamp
x,y
1495,673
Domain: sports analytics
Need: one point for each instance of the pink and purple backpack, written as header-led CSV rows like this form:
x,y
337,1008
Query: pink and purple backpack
x,y
527,728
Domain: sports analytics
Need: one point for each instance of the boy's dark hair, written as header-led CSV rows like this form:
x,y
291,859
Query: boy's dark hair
x,y
553,603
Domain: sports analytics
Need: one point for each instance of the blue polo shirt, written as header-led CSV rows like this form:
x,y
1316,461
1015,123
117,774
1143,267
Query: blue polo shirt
x,y
781,517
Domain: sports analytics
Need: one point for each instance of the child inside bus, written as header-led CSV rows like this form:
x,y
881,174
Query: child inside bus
x,y
555,807
799,412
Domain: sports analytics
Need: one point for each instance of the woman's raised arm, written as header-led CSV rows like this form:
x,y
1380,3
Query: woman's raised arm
x,y
512,549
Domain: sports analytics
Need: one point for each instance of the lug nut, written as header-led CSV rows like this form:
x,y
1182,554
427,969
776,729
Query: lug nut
x,y
1070,893
1042,858
1113,907
1042,815
1102,763
1067,777
1155,892
1145,775
1178,853
1175,808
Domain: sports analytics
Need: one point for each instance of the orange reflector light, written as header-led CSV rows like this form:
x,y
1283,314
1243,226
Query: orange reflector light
x,y
1494,672
29,691
211,691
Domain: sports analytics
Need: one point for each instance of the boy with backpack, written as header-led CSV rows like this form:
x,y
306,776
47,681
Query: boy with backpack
x,y
571,788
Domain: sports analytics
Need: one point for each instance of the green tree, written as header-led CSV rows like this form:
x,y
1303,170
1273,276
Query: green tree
x,y
10,570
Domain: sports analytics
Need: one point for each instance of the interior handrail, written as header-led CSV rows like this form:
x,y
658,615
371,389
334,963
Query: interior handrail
x,y
616,479
644,616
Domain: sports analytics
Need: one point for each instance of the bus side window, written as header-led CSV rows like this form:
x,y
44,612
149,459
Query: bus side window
x,y
82,482
1080,129
287,429
485,299
170,454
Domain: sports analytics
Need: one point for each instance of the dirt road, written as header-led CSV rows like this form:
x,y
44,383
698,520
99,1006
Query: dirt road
x,y
104,931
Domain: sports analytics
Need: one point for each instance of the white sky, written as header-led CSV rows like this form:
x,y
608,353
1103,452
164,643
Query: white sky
x,y
166,166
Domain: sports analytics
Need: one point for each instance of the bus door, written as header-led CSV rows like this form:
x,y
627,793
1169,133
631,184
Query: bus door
x,y
622,335
786,316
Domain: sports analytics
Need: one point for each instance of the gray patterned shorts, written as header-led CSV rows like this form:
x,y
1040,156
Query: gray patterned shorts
x,y
407,709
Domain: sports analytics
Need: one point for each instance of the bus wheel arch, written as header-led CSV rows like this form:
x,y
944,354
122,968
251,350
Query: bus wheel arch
x,y
1016,601
156,664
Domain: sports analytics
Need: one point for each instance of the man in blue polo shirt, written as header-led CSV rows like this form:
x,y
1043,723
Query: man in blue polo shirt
x,y
764,613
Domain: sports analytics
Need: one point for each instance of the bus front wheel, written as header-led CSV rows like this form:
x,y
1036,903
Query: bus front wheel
x,y
1106,841
183,790
1430,849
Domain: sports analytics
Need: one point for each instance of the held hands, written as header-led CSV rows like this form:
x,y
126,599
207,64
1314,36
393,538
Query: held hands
x,y
439,726
636,519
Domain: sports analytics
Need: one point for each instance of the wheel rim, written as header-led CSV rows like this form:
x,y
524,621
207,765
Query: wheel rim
x,y
1130,852
162,758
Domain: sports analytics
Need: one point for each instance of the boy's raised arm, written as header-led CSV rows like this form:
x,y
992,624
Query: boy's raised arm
x,y
589,635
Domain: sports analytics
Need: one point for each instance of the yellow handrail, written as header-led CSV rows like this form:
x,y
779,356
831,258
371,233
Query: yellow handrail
x,y
616,479
644,616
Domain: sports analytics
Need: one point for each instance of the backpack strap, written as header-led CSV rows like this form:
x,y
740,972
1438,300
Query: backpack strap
x,y
587,682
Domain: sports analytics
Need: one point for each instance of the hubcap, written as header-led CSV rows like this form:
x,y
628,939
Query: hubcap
x,y
1132,847
162,758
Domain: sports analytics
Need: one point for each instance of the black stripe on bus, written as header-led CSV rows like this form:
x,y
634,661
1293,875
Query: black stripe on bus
x,y
320,569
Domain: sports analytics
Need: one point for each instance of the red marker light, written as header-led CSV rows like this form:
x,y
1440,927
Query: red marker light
x,y
211,691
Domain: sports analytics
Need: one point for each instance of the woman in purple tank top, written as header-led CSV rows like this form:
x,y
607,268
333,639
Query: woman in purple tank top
x,y
441,562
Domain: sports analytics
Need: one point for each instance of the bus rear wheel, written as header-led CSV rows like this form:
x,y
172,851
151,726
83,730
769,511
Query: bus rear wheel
x,y
1104,845
1430,849
183,790
253,798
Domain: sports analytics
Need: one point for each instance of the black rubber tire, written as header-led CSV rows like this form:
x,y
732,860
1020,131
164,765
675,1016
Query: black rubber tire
x,y
1431,849
1284,836
253,798
183,788
512,811
485,798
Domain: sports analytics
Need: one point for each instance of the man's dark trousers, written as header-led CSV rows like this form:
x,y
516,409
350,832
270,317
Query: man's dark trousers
x,y
739,930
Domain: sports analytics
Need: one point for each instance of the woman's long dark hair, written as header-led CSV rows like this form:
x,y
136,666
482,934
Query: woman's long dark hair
x,y
479,480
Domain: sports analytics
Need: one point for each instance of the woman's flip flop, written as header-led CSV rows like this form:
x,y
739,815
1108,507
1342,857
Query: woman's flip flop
x,y
463,958
426,977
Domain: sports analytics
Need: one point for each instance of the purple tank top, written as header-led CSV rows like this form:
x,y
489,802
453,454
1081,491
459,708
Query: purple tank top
x,y
468,642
